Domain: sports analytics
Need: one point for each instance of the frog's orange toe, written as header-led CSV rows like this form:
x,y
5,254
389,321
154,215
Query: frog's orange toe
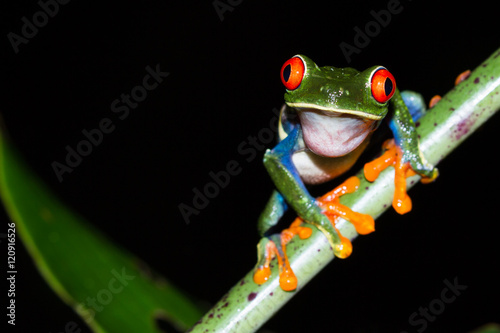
x,y
462,76
332,207
261,275
288,280
373,169
402,205
295,228
344,249
267,251
434,100
364,224
393,156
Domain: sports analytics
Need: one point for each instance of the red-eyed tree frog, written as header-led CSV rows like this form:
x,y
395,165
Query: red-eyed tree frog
x,y
325,124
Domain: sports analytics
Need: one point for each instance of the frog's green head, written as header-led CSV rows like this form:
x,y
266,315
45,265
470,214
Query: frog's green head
x,y
340,90
340,104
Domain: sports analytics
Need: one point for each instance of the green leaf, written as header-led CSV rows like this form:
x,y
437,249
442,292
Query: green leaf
x,y
106,285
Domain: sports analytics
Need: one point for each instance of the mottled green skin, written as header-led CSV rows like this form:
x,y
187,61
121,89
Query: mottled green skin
x,y
406,137
337,88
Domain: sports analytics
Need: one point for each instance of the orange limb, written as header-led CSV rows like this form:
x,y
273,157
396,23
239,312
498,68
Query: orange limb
x,y
287,280
332,207
392,156
375,167
263,272
401,201
344,249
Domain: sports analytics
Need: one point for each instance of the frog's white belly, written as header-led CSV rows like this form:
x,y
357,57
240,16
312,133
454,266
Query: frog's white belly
x,y
316,169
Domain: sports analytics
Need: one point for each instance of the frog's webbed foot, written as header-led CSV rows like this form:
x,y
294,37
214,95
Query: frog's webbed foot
x,y
393,155
330,203
461,77
275,246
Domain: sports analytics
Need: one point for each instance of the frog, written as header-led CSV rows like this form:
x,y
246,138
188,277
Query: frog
x,y
325,124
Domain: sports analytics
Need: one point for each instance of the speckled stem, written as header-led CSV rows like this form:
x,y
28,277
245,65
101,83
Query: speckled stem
x,y
247,306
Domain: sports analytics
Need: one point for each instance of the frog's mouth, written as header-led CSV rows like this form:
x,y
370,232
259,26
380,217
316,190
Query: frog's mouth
x,y
334,133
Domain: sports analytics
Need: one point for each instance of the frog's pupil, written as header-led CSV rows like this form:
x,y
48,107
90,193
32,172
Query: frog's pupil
x,y
286,72
388,86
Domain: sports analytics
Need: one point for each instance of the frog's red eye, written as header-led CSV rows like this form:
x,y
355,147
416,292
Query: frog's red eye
x,y
383,85
292,73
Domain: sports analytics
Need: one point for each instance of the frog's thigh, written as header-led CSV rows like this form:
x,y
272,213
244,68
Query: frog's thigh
x,y
315,169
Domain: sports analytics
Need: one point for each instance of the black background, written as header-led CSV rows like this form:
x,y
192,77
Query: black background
x,y
222,88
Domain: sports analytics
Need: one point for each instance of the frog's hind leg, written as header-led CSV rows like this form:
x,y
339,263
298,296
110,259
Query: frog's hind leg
x,y
275,246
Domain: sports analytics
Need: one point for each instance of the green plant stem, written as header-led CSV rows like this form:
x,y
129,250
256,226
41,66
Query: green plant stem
x,y
460,112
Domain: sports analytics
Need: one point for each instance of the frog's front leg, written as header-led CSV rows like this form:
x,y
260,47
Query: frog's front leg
x,y
284,174
403,153
406,138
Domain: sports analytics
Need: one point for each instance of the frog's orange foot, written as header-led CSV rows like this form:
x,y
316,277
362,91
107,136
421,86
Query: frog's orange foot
x,y
276,247
330,203
392,156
